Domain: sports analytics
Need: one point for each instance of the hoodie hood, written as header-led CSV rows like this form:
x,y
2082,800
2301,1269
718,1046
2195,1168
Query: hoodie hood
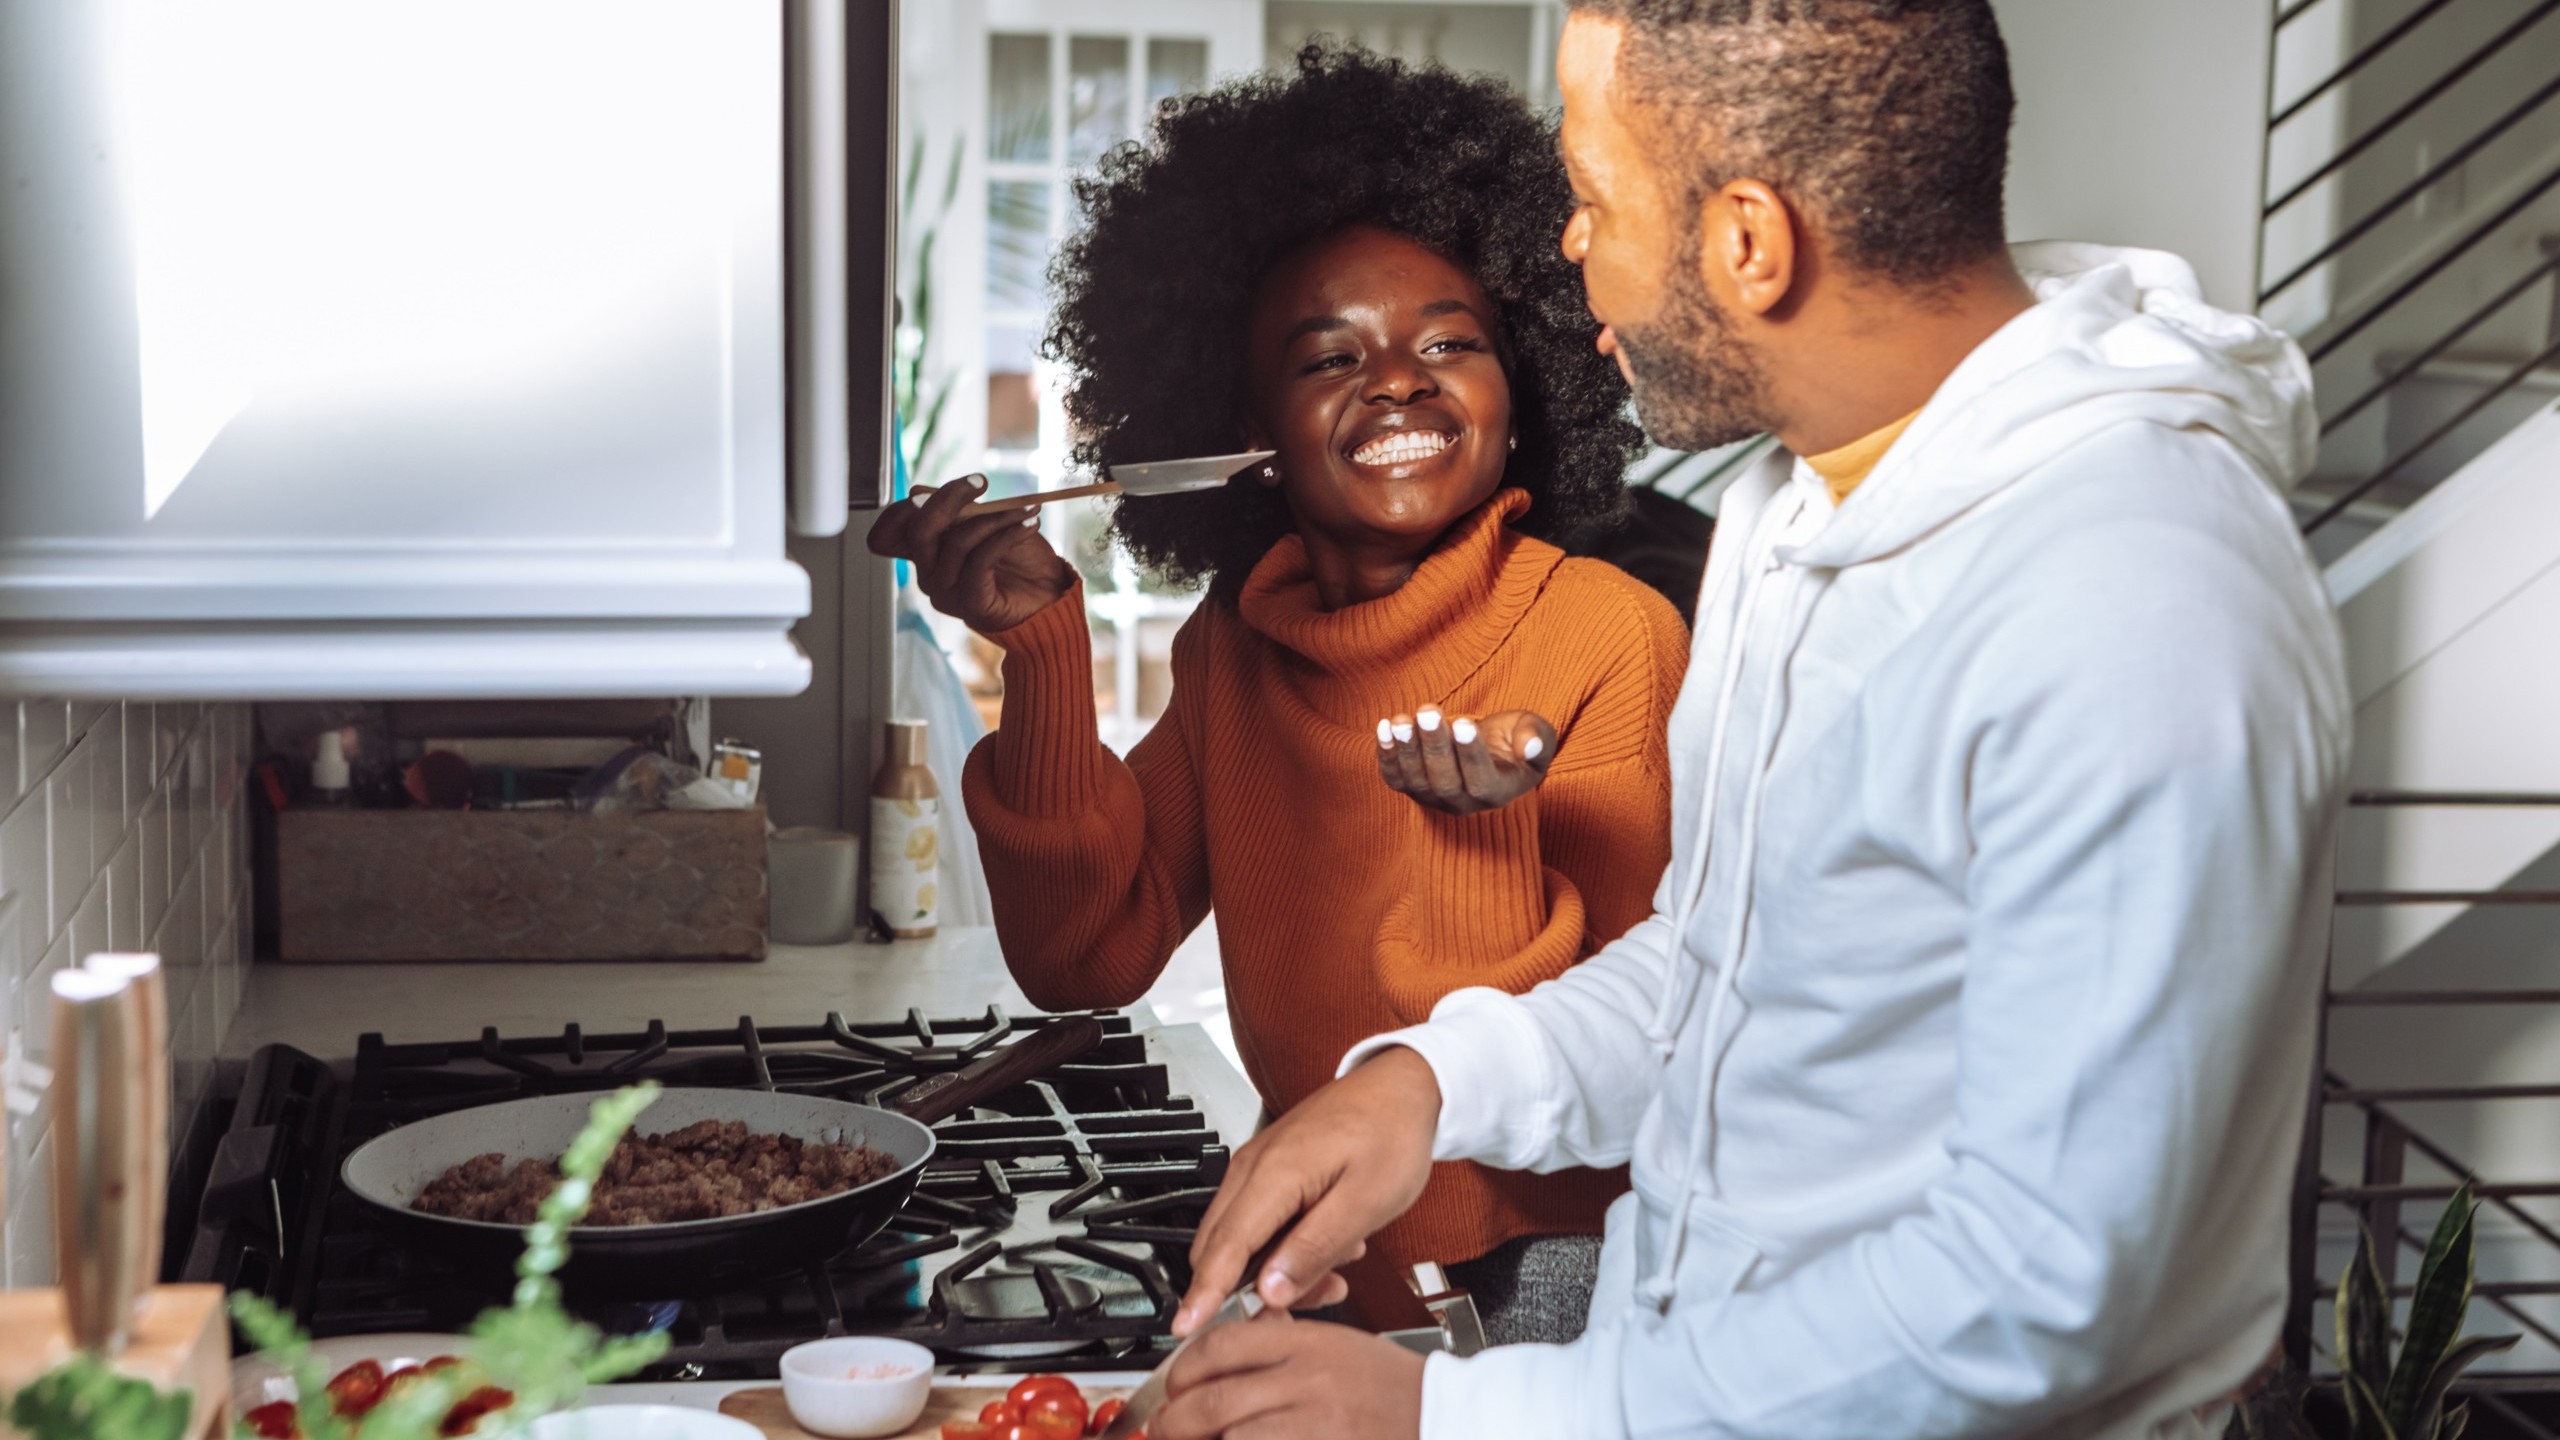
x,y
2118,336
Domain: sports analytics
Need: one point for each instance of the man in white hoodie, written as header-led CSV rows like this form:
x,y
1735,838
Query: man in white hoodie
x,y
1963,1063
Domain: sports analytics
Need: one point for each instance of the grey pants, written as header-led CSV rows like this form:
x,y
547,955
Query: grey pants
x,y
1536,1288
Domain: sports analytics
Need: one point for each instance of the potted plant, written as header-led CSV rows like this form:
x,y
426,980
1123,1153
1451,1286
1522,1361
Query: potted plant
x,y
2388,1395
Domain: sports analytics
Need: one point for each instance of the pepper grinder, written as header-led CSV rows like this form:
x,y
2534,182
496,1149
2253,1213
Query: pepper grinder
x,y
151,990
101,1170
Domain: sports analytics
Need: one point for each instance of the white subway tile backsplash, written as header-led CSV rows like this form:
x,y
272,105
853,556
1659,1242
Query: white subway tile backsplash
x,y
44,730
120,828
124,896
23,871
71,833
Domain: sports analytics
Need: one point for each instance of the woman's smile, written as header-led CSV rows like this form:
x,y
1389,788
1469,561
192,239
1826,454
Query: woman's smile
x,y
1401,447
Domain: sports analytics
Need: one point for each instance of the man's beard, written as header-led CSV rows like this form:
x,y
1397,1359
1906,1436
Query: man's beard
x,y
1697,385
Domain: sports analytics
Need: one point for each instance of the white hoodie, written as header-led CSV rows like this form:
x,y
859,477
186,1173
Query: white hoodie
x,y
1963,1064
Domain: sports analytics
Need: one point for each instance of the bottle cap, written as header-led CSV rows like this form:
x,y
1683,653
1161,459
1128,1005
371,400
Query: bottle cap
x,y
902,742
329,768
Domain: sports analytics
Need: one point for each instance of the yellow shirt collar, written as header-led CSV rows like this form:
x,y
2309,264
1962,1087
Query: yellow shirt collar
x,y
1843,469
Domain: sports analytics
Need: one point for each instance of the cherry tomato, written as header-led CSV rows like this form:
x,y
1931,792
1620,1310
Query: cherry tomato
x,y
357,1389
1031,1387
1103,1415
464,1418
972,1430
1000,1412
1053,1425
273,1421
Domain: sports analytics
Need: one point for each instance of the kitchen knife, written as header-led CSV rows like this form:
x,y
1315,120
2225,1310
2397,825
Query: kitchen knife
x,y
1155,477
1242,1305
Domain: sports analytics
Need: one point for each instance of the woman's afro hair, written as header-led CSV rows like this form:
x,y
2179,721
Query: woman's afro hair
x,y
1154,296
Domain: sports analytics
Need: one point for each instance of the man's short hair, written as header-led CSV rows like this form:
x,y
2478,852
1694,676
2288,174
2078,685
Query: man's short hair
x,y
1885,121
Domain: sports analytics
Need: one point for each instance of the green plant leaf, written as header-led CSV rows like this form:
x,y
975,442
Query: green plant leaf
x,y
2364,1342
2456,1420
2435,1310
2422,1425
84,1398
2365,1406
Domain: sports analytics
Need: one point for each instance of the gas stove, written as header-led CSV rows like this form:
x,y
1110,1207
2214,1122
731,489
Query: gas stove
x,y
1053,1224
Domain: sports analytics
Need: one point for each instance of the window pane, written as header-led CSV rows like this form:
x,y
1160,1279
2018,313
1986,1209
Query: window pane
x,y
1097,96
1017,243
1175,67
1018,98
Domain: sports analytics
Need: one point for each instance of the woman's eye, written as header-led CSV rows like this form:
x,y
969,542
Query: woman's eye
x,y
1454,342
1326,362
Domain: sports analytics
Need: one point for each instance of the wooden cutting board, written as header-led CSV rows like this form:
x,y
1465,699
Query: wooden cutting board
x,y
952,1400
180,1338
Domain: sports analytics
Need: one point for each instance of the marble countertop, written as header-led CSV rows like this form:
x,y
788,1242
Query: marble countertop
x,y
323,1008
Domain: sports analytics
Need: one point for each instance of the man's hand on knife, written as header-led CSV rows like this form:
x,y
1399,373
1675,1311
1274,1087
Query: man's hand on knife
x,y
1341,1164
1276,1378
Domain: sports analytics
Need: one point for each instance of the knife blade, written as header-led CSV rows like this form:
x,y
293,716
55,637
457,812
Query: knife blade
x,y
1242,1305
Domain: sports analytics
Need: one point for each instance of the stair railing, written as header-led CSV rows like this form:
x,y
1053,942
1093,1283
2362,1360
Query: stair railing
x,y
2399,302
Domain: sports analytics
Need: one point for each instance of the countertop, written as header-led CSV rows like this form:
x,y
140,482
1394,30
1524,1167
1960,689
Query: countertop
x,y
323,1008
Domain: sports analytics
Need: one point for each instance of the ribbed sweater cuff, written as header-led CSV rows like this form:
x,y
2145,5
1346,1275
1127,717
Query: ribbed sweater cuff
x,y
1046,756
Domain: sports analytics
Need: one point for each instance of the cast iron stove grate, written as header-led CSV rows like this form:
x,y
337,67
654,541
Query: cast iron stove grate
x,y
1054,1222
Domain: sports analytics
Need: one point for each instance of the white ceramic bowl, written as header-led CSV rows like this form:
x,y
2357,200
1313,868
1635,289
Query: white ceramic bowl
x,y
856,1387
640,1422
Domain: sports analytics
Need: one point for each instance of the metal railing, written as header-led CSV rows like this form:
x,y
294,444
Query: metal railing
x,y
2406,301
2383,1189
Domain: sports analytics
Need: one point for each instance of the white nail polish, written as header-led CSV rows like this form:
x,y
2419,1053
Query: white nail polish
x,y
1535,748
1463,731
1386,734
1428,719
977,482
1403,732
1031,520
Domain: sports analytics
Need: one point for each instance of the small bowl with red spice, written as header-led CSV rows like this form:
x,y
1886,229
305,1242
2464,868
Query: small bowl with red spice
x,y
856,1386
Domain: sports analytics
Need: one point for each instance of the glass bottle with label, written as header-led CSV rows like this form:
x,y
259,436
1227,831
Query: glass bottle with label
x,y
906,835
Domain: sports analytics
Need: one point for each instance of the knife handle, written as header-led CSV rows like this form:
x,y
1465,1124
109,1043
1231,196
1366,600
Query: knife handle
x,y
100,1170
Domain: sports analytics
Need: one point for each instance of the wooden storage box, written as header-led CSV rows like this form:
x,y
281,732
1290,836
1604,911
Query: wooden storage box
x,y
521,885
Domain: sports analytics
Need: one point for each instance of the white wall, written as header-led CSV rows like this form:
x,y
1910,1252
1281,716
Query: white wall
x,y
2141,125
123,826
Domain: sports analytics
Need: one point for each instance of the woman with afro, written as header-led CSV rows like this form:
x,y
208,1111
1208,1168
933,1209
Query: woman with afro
x,y
1412,746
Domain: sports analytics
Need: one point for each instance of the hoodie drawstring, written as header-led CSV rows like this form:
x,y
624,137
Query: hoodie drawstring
x,y
1663,1286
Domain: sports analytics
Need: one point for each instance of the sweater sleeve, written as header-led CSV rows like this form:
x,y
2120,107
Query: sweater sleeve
x,y
1095,866
1513,897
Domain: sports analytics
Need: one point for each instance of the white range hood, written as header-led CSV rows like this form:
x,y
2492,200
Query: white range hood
x,y
426,347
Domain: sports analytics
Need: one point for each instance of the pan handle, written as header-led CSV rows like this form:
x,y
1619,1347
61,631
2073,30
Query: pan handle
x,y
942,1096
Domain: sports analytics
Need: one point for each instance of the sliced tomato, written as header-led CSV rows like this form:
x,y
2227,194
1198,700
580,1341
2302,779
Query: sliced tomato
x,y
1053,1425
1103,1415
354,1391
1000,1412
274,1421
441,1362
972,1430
1067,1403
466,1414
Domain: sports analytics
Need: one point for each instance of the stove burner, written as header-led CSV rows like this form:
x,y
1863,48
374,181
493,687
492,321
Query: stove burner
x,y
1055,1220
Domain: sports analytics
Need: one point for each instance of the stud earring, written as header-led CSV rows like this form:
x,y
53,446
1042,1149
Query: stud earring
x,y
1270,472
1513,442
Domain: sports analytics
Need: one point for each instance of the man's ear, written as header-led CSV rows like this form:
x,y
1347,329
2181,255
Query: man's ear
x,y
1748,246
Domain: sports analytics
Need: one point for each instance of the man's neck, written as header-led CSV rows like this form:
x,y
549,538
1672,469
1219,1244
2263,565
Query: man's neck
x,y
1873,353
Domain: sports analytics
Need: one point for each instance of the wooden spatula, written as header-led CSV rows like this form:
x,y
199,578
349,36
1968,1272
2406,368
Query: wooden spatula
x,y
1155,477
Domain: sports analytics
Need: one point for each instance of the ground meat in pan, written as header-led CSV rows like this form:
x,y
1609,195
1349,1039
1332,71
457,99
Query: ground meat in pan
x,y
704,1171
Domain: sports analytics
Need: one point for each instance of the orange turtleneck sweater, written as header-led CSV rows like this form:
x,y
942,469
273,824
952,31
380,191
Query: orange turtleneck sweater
x,y
1344,908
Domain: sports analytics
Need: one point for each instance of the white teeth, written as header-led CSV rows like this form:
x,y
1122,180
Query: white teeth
x,y
1402,448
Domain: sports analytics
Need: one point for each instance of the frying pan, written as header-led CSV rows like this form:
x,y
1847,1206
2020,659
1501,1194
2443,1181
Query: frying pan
x,y
647,1262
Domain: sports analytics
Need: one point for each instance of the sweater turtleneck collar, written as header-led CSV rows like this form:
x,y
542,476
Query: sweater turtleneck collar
x,y
1436,629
